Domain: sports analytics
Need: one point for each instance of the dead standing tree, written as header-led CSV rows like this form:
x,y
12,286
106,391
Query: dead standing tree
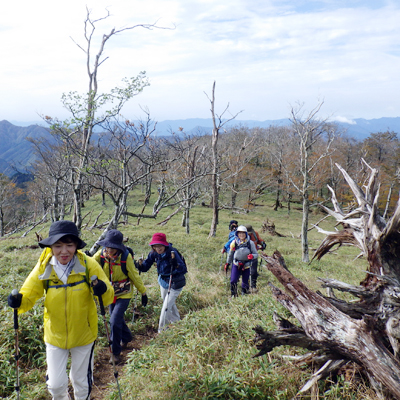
x,y
218,124
366,331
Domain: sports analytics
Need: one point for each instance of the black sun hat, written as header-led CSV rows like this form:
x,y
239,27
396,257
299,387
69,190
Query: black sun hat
x,y
113,240
60,229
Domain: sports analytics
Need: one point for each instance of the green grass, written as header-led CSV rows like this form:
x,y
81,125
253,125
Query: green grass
x,y
209,354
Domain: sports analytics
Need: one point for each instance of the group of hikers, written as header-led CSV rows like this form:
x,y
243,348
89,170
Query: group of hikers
x,y
71,279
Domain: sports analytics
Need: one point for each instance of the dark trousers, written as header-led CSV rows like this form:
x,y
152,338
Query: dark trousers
x,y
119,329
235,275
254,273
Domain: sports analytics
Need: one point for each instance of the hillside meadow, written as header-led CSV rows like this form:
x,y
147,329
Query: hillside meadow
x,y
209,354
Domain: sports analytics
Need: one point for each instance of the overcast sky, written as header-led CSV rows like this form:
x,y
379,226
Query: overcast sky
x,y
266,56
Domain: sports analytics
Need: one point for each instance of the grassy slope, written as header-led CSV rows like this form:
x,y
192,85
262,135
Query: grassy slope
x,y
208,355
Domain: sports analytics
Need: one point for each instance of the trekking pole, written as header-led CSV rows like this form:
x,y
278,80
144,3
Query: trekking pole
x,y
169,291
103,313
135,304
228,284
14,294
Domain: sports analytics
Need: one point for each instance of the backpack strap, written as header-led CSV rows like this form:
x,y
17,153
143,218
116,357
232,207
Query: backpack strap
x,y
86,279
124,257
48,286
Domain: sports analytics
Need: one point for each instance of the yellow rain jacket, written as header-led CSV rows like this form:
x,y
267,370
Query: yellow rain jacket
x,y
118,275
70,312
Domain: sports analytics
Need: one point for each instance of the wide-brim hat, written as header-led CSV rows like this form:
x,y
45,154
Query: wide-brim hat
x,y
241,228
159,238
113,240
249,228
60,229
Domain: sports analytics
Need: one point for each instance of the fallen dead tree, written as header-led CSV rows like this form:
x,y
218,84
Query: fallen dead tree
x,y
365,331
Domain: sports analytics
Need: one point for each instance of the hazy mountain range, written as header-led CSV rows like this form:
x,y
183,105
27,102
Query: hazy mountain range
x,y
16,152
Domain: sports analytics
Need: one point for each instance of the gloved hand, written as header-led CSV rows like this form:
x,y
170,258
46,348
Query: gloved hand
x,y
137,265
223,250
250,257
99,288
14,301
263,245
145,299
241,266
226,267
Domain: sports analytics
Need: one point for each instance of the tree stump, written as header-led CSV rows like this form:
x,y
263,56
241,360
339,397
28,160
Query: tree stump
x,y
367,331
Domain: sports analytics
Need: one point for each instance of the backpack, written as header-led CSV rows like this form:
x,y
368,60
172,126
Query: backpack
x,y
124,257
180,255
240,256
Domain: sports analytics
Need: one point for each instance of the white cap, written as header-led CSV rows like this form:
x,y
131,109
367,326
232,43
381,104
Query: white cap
x,y
241,228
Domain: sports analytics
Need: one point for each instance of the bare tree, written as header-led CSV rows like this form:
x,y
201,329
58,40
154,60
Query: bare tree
x,y
218,124
116,166
309,130
189,167
8,194
53,170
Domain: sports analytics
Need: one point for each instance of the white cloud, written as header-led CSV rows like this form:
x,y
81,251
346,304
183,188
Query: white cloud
x,y
343,119
264,55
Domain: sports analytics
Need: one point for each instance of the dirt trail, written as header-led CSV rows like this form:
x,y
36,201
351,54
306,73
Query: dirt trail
x,y
103,370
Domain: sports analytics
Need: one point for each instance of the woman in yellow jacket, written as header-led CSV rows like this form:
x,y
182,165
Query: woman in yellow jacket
x,y
118,265
62,274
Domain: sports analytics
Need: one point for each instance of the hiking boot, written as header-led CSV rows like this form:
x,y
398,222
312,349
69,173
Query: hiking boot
x,y
245,291
234,289
115,359
124,345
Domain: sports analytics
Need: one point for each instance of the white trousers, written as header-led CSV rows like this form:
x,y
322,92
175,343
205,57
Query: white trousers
x,y
169,312
81,372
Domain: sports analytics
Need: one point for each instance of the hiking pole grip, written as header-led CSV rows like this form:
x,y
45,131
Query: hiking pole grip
x,y
94,280
14,293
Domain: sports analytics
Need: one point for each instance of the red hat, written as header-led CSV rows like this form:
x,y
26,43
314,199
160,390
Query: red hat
x,y
159,238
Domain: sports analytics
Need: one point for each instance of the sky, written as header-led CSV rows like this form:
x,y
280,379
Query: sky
x,y
266,57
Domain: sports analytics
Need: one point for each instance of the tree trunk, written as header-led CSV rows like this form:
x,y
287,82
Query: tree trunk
x,y
214,176
304,228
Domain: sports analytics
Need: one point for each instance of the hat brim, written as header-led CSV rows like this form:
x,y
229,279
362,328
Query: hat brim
x,y
159,242
107,243
55,238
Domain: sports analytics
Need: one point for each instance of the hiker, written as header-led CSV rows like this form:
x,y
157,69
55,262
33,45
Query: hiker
x,y
241,254
118,265
171,269
62,274
260,245
233,224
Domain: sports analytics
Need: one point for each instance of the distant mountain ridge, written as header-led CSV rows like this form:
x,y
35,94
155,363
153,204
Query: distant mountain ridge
x,y
358,128
15,150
